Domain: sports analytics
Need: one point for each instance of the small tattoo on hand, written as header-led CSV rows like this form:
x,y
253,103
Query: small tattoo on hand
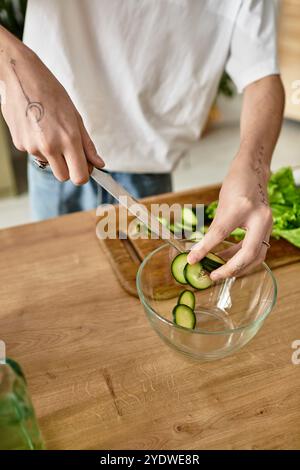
x,y
35,108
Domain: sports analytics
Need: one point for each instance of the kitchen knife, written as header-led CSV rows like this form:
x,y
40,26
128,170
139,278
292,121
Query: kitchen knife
x,y
105,180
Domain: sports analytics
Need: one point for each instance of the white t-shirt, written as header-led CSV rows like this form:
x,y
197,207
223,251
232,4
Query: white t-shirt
x,y
144,73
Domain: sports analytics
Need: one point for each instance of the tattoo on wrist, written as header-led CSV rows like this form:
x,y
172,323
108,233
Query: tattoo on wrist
x,y
258,169
33,108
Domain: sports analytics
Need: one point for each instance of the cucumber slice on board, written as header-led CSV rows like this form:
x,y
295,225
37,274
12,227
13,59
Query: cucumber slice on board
x,y
196,236
189,218
174,228
163,221
187,297
196,276
177,267
180,229
211,262
184,316
183,226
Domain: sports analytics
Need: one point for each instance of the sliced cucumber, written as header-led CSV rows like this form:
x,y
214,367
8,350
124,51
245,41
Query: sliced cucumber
x,y
177,267
196,276
196,236
189,218
184,316
175,229
213,257
181,226
211,262
141,228
171,227
187,297
163,221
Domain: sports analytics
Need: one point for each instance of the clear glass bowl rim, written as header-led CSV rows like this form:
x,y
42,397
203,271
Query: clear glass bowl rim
x,y
196,330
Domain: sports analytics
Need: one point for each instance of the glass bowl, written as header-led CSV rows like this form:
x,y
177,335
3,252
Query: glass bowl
x,y
229,313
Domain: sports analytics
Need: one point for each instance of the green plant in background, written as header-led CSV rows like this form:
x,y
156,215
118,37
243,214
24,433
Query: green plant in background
x,y
12,14
226,86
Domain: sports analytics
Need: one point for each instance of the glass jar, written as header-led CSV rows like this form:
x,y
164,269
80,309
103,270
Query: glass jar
x,y
19,429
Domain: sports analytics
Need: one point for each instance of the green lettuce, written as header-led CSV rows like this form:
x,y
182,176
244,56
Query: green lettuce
x,y
284,199
211,209
292,235
282,189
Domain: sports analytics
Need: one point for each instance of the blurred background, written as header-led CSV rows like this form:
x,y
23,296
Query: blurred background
x,y
208,161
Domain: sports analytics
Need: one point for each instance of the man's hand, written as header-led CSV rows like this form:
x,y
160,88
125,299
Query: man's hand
x,y
41,116
242,203
243,200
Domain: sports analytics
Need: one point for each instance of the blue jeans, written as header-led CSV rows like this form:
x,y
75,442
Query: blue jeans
x,y
50,198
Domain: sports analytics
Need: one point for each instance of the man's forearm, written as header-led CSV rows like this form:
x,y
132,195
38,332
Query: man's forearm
x,y
261,121
243,200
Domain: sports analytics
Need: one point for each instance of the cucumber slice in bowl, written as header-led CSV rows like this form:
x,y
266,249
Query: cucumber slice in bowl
x,y
177,267
184,316
187,297
211,262
196,276
215,258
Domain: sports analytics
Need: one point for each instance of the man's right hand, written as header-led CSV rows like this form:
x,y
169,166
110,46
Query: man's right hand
x,y
40,115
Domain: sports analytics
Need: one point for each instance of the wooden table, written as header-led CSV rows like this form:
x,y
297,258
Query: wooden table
x,y
101,378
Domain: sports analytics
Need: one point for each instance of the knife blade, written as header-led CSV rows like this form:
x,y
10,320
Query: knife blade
x,y
140,211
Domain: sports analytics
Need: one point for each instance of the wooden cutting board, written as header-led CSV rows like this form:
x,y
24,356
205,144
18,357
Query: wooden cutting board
x,y
126,255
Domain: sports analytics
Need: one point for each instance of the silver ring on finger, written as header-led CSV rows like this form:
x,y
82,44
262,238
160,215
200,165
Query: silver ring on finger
x,y
41,163
264,242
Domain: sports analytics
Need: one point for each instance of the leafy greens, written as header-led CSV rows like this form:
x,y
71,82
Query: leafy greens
x,y
284,199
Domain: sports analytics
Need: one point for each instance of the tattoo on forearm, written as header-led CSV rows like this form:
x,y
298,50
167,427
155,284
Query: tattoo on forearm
x,y
33,108
259,172
262,193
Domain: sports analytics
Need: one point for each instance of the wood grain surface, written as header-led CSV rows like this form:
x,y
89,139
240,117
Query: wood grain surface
x,y
126,255
101,378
